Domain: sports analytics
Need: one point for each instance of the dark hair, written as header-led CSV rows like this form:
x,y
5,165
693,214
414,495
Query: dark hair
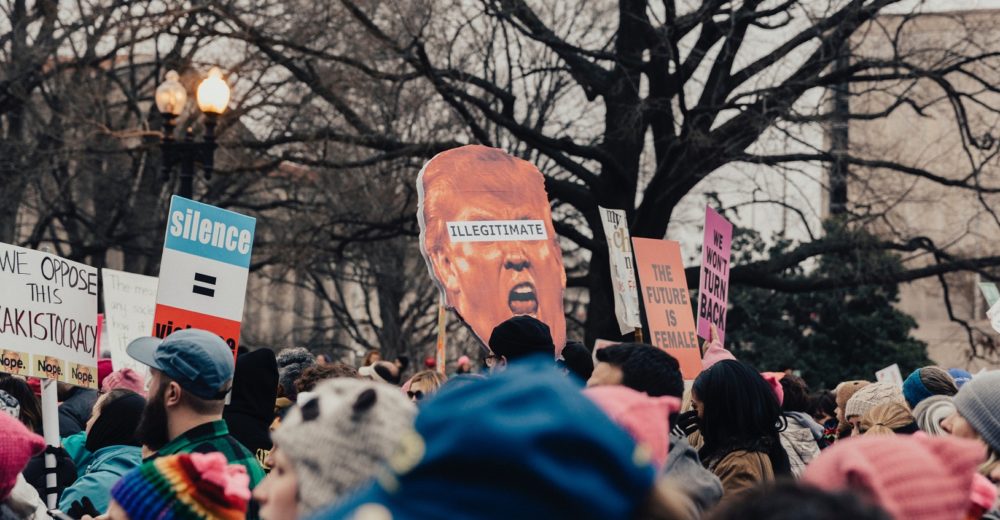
x,y
796,394
791,501
388,371
316,373
824,403
577,359
31,407
740,412
404,363
645,368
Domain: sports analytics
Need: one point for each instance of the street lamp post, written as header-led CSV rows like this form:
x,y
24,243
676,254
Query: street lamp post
x,y
171,97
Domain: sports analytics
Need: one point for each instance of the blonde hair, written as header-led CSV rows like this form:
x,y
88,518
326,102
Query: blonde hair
x,y
885,419
435,378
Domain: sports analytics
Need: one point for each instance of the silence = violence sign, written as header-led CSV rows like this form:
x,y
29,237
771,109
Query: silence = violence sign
x,y
667,301
203,271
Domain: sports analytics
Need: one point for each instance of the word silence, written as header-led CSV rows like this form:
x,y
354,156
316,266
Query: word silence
x,y
668,305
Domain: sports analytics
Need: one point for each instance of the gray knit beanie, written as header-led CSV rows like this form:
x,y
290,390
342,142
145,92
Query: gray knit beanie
x,y
979,403
338,437
291,363
871,396
931,411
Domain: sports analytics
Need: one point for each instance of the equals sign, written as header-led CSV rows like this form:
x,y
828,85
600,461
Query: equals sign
x,y
205,279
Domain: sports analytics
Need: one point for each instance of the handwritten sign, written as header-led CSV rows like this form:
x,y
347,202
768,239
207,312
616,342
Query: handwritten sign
x,y
668,302
48,317
129,304
204,270
990,292
622,270
713,287
890,374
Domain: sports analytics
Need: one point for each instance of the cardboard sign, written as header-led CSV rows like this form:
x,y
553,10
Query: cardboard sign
x,y
713,285
890,374
48,317
129,305
668,303
203,271
486,235
622,270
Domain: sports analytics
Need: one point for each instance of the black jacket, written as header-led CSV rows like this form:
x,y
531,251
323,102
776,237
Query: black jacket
x,y
251,408
74,411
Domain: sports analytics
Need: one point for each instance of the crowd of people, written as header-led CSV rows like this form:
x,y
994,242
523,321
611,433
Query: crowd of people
x,y
615,433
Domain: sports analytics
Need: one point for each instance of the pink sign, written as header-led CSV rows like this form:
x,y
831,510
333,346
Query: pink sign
x,y
713,287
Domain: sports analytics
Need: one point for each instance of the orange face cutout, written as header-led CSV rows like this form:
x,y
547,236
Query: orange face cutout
x,y
487,237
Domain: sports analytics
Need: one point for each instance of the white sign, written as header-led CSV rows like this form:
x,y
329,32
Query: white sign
x,y
129,304
48,317
497,231
994,315
622,269
890,374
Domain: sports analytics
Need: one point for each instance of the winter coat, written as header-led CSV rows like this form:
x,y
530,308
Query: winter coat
x,y
249,413
106,468
76,447
684,470
74,412
799,439
741,471
23,503
66,472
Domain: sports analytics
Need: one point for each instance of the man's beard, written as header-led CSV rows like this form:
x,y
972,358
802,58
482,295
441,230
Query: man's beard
x,y
152,430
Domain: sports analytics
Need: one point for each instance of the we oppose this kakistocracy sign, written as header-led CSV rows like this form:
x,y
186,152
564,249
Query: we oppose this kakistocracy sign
x,y
48,317
622,269
486,234
203,271
713,287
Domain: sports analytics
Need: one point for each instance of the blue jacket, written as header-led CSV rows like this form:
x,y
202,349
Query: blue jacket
x,y
76,446
106,468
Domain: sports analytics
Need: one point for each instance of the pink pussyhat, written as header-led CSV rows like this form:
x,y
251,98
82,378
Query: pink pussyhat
x,y
645,418
715,353
17,446
913,477
774,381
124,378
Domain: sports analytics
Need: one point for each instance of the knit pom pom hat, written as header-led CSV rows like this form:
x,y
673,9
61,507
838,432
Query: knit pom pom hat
x,y
17,445
913,477
187,486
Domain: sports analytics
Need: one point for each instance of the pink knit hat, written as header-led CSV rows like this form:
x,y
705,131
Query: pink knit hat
x,y
18,444
124,378
715,353
645,418
774,381
915,477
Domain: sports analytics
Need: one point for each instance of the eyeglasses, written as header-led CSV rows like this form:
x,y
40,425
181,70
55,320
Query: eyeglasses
x,y
416,396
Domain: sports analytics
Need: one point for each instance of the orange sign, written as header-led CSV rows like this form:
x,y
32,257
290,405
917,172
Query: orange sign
x,y
668,302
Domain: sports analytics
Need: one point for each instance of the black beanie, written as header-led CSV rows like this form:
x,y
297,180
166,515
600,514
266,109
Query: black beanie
x,y
521,336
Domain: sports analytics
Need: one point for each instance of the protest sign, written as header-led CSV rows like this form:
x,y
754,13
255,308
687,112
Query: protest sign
x,y
486,235
203,271
668,303
990,292
622,270
129,305
890,374
713,285
48,317
994,315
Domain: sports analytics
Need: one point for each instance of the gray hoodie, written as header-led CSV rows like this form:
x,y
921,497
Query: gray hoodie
x,y
684,470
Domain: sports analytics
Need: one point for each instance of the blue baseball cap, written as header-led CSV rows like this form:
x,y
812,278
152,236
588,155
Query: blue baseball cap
x,y
200,361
